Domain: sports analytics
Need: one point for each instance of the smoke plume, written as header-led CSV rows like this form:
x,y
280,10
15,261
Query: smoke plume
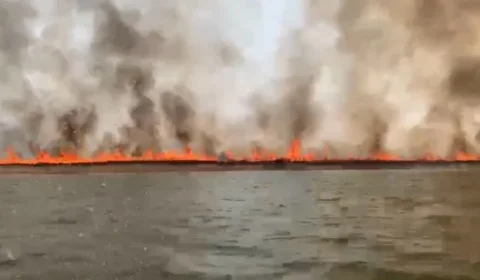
x,y
355,77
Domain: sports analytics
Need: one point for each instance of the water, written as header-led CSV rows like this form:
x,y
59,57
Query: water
x,y
420,224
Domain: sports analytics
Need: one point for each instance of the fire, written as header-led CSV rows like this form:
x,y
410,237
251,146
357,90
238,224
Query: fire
x,y
293,155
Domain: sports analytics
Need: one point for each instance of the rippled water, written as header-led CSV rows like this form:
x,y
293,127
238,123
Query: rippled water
x,y
420,224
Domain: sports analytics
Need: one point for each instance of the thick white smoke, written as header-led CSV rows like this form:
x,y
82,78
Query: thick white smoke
x,y
353,76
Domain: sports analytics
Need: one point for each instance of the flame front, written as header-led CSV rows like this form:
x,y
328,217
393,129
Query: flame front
x,y
294,154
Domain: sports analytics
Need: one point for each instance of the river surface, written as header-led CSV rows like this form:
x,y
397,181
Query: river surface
x,y
421,224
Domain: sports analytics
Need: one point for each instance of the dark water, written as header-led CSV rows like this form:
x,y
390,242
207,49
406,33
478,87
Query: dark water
x,y
262,225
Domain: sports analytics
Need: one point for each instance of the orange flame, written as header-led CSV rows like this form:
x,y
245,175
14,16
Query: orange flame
x,y
294,154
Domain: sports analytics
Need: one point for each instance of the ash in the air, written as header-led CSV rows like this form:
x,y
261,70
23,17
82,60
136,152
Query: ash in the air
x,y
355,76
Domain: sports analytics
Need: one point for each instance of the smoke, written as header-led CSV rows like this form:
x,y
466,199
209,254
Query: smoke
x,y
352,76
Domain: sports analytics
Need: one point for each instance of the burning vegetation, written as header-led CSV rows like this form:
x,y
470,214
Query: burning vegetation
x,y
104,81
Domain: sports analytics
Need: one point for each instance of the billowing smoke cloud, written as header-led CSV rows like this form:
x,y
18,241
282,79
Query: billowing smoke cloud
x,y
352,76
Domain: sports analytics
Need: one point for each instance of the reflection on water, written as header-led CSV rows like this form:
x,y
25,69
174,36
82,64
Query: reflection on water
x,y
242,225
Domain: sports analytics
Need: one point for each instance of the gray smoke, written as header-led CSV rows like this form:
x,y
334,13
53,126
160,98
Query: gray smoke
x,y
354,77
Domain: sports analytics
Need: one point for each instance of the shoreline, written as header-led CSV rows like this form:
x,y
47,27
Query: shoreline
x,y
197,166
